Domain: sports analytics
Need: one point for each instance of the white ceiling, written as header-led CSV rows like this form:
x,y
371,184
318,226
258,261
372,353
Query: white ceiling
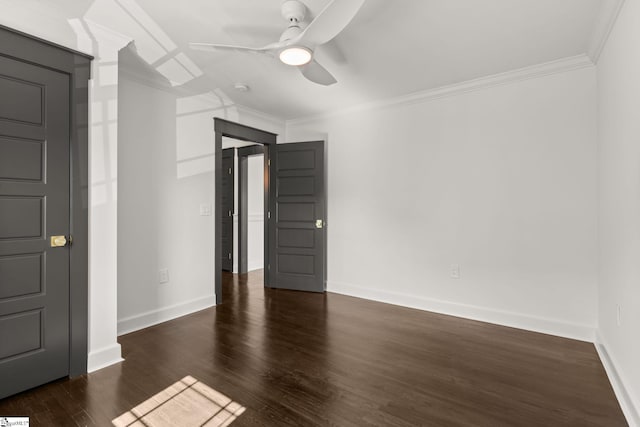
x,y
391,48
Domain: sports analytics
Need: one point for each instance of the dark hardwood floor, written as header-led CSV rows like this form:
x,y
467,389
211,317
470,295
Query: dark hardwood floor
x,y
300,359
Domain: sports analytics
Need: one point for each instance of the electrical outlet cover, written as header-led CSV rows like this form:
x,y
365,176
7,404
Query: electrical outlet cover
x,y
455,271
164,275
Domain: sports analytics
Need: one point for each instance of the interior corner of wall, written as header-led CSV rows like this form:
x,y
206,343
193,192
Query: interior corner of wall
x,y
609,12
629,403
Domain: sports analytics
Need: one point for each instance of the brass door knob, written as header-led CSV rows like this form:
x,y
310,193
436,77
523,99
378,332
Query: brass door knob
x,y
58,241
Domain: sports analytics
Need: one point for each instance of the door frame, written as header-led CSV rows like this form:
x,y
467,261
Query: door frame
x,y
232,152
26,48
234,130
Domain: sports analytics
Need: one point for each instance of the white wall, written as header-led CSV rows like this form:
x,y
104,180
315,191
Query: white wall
x,y
255,202
619,213
255,210
500,180
165,169
166,173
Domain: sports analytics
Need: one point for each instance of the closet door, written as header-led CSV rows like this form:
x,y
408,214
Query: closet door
x,y
34,225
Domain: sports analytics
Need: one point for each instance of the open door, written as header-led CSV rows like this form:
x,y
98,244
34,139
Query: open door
x,y
297,217
294,185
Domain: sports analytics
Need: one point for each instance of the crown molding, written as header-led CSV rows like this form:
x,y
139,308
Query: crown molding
x,y
607,17
104,35
146,79
135,68
513,76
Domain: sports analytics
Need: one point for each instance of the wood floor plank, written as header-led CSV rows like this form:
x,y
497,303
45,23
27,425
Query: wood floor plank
x,y
300,359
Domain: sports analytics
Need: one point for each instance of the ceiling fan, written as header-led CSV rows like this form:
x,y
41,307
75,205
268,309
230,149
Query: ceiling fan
x,y
296,45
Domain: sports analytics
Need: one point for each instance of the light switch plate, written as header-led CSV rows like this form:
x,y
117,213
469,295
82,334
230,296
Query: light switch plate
x,y
205,209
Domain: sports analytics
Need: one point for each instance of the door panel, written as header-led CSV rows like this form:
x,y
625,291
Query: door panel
x,y
296,238
20,275
29,339
21,159
22,217
296,186
227,208
297,255
34,205
30,93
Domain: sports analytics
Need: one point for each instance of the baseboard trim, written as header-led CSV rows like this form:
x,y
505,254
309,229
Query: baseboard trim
x,y
483,314
153,317
630,407
104,357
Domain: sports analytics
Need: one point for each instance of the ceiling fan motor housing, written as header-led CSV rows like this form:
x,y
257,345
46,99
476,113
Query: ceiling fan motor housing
x,y
293,11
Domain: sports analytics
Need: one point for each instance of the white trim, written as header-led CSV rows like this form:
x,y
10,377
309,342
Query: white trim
x,y
630,406
104,357
151,78
535,71
259,217
106,34
153,317
607,17
483,314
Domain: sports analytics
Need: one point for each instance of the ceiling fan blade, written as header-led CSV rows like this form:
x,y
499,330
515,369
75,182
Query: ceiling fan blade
x,y
328,24
212,47
317,74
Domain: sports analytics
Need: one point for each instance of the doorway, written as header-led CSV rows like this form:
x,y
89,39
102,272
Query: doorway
x,y
242,206
255,137
294,209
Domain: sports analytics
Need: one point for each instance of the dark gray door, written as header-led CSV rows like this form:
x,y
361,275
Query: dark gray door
x,y
227,208
297,253
34,205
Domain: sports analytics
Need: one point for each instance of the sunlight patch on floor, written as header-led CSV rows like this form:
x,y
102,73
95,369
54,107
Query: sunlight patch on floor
x,y
187,402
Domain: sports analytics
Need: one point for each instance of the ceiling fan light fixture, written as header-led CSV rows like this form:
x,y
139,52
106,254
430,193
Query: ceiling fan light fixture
x,y
295,55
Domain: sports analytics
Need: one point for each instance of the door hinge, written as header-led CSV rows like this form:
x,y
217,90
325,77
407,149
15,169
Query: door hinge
x,y
230,172
269,215
229,256
230,213
269,162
